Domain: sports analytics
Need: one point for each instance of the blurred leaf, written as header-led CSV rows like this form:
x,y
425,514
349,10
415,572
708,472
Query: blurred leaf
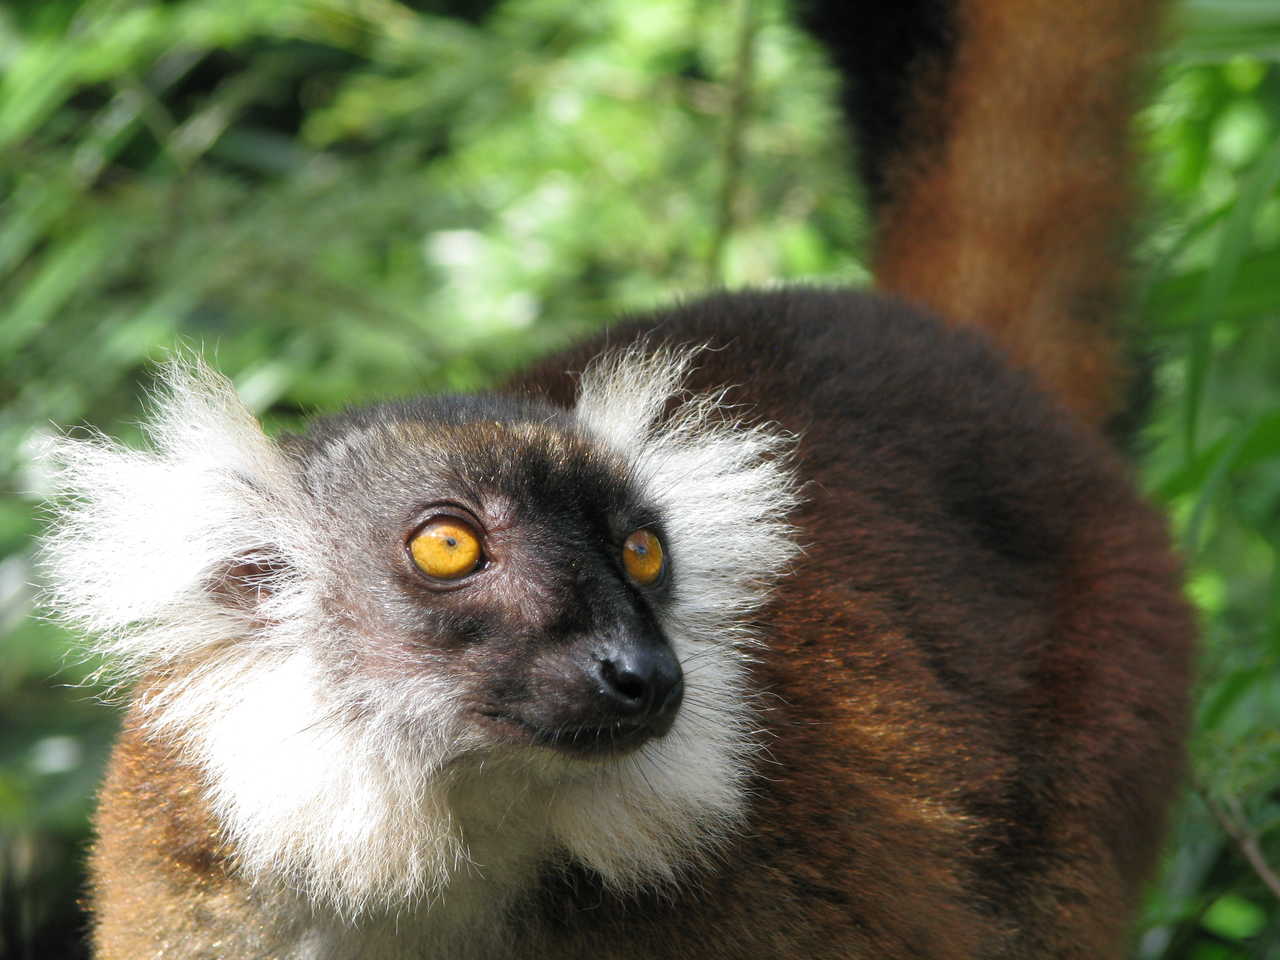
x,y
1234,917
1236,237
1217,30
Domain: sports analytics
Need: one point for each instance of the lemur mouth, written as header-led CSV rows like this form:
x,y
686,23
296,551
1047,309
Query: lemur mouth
x,y
616,738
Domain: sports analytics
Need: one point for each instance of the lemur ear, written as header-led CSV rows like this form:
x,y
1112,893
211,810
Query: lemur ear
x,y
156,551
248,581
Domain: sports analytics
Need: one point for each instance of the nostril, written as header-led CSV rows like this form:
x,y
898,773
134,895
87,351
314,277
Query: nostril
x,y
640,684
625,683
636,688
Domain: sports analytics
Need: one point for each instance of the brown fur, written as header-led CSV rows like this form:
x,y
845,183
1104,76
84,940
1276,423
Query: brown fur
x,y
1014,219
160,876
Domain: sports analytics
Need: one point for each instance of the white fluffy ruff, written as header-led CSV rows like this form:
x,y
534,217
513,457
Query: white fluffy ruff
x,y
364,799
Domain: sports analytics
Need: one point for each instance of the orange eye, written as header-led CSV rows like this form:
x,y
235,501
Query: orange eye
x,y
446,548
642,556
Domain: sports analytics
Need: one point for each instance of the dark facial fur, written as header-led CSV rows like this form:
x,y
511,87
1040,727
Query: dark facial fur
x,y
549,641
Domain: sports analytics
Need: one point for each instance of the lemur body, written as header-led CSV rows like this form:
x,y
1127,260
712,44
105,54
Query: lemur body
x,y
792,624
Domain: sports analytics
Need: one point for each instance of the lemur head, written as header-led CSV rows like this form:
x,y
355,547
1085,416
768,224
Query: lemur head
x,y
377,639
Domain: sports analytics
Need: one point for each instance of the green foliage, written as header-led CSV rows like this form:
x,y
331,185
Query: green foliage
x,y
344,199
1212,309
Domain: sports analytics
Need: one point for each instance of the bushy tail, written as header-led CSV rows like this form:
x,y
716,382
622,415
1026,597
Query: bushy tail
x,y
994,141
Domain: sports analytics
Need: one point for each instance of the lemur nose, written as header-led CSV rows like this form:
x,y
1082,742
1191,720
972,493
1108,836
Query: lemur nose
x,y
642,684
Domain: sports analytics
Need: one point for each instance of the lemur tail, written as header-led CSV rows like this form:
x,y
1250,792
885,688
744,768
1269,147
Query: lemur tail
x,y
994,141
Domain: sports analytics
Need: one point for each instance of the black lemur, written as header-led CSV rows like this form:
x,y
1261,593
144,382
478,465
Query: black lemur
x,y
801,624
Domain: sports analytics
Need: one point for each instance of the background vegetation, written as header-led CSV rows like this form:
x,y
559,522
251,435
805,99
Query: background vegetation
x,y
343,199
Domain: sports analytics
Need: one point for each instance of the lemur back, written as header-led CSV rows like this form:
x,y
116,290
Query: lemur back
x,y
800,624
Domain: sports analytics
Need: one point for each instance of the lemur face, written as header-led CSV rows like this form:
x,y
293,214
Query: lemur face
x,y
417,622
507,552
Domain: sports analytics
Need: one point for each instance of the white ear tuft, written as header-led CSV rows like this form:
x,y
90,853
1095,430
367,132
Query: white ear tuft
x,y
725,486
139,537
622,395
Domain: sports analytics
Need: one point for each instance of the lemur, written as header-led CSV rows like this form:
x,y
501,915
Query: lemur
x,y
802,624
